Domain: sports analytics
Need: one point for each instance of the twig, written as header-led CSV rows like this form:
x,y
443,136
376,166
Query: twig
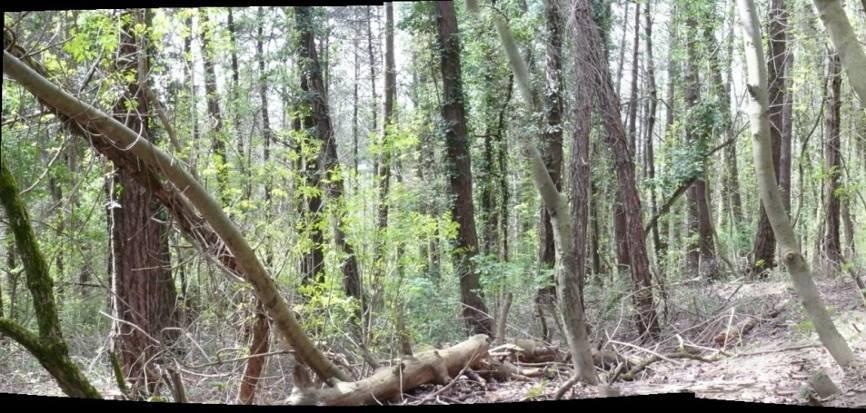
x,y
792,348
445,387
565,387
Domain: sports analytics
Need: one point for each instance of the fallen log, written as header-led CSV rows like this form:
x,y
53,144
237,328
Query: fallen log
x,y
386,383
730,335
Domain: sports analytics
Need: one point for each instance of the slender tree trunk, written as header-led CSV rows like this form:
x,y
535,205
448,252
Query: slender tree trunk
x,y
460,172
632,102
731,186
621,63
552,145
650,128
235,95
701,256
770,195
218,145
557,205
849,49
831,244
260,326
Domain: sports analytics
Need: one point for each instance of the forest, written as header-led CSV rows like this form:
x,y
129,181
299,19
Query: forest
x,y
435,202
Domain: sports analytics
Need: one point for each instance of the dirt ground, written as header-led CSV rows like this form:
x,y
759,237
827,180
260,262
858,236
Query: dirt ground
x,y
769,364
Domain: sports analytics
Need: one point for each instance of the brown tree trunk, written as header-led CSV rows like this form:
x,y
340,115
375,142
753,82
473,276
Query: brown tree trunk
x,y
143,293
701,255
591,54
235,96
460,171
650,128
764,251
218,145
552,147
260,327
831,244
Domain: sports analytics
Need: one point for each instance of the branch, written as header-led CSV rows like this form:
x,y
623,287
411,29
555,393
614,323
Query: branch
x,y
668,204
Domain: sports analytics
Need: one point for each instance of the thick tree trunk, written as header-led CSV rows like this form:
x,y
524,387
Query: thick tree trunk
x,y
320,120
770,195
460,172
143,293
590,56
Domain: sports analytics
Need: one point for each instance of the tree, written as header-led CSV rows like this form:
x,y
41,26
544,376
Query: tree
x,y
460,171
567,271
701,255
831,244
590,58
107,134
143,292
260,327
218,144
845,41
801,275
551,138
318,122
764,251
48,347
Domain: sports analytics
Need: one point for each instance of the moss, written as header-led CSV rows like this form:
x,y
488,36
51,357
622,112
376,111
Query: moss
x,y
48,347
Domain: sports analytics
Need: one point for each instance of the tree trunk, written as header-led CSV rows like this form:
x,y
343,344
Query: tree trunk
x,y
143,293
590,56
650,128
49,347
218,145
701,256
552,146
770,195
831,244
845,41
235,96
260,328
316,100
568,273
460,172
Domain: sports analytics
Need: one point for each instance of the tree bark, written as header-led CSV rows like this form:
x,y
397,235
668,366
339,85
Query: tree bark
x,y
460,172
770,195
652,109
590,56
260,327
143,293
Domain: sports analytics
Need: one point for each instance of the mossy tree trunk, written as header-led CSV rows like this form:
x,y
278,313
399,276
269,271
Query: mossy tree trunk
x,y
48,346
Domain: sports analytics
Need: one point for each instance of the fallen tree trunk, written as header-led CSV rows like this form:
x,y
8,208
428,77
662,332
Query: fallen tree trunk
x,y
743,327
436,366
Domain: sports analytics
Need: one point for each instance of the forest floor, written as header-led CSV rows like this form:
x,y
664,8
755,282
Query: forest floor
x,y
768,364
